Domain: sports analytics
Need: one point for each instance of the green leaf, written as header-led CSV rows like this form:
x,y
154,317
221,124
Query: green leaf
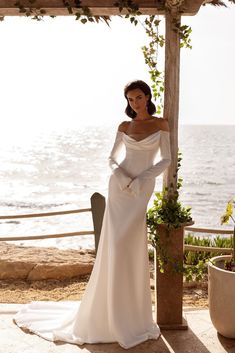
x,y
229,209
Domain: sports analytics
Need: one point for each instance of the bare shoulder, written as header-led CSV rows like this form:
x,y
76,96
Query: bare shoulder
x,y
123,126
163,124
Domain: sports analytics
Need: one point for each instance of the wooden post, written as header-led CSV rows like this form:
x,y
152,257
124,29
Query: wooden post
x,y
171,90
169,284
97,210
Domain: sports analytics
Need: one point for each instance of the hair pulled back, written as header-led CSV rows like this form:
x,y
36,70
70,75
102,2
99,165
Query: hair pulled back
x,y
146,90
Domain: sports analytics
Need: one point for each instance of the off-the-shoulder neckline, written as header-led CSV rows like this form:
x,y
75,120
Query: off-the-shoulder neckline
x,y
122,132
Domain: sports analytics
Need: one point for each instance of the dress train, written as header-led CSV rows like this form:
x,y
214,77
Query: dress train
x,y
116,305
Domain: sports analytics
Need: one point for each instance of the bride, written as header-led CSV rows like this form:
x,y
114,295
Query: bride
x,y
116,305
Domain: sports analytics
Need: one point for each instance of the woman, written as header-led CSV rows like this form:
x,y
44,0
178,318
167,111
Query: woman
x,y
116,305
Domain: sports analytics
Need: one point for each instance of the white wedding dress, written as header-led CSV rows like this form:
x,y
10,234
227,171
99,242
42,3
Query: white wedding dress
x,y
116,305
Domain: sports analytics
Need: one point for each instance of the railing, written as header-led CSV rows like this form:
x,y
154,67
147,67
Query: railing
x,y
97,209
210,232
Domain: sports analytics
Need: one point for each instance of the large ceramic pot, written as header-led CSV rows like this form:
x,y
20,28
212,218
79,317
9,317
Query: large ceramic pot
x,y
221,295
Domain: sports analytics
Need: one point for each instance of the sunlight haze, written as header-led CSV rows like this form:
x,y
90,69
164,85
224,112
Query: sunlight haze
x,y
59,73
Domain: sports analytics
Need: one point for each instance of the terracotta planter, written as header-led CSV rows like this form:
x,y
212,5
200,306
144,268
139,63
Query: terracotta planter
x,y
221,295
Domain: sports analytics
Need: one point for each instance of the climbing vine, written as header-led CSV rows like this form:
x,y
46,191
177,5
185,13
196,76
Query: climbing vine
x,y
169,211
33,12
132,12
131,8
184,34
150,53
83,13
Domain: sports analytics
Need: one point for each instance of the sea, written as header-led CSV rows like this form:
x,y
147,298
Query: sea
x,y
57,170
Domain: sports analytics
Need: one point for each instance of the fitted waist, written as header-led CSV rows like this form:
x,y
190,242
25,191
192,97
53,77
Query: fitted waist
x,y
135,166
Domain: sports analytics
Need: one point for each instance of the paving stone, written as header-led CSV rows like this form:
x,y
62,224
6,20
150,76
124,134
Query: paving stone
x,y
201,337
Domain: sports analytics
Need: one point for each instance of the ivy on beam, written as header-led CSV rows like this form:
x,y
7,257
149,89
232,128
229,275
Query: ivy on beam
x,y
132,12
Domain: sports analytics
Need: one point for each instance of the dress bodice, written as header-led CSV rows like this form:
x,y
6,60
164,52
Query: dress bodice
x,y
148,142
140,154
139,136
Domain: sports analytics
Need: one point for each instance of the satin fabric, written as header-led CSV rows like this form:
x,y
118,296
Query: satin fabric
x,y
116,305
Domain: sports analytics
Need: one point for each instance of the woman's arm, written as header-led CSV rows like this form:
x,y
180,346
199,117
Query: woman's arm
x,y
122,178
159,167
165,161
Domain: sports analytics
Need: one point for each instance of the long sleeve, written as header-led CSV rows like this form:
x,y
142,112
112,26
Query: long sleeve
x,y
122,177
157,168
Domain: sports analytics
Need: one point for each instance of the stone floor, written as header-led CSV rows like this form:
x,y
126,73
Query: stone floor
x,y
201,337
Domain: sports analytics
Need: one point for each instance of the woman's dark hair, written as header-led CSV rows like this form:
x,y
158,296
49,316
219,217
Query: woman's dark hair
x,y
146,90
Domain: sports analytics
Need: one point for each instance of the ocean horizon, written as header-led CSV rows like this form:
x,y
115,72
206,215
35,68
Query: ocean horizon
x,y
58,170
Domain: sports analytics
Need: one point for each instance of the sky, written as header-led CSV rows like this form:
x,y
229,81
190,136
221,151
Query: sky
x,y
60,73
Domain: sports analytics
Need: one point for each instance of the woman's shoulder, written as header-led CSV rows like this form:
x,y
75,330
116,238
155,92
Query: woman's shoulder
x,y
162,124
123,126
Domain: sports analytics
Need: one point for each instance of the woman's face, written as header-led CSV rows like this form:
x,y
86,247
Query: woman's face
x,y
137,100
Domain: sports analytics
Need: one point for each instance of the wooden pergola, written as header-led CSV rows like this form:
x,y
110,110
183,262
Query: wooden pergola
x,y
170,288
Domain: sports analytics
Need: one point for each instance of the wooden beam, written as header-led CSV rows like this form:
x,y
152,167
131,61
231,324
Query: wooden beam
x,y
97,7
191,7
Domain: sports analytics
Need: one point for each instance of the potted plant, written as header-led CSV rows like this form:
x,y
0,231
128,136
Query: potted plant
x,y
221,285
166,221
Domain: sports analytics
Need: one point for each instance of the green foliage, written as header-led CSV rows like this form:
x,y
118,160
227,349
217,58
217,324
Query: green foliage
x,y
37,13
132,9
82,13
167,210
151,254
228,213
132,12
219,3
195,272
150,53
184,34
229,265
195,263
33,12
192,258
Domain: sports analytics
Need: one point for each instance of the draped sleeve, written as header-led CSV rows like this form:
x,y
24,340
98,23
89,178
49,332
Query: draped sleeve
x,y
123,178
157,168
